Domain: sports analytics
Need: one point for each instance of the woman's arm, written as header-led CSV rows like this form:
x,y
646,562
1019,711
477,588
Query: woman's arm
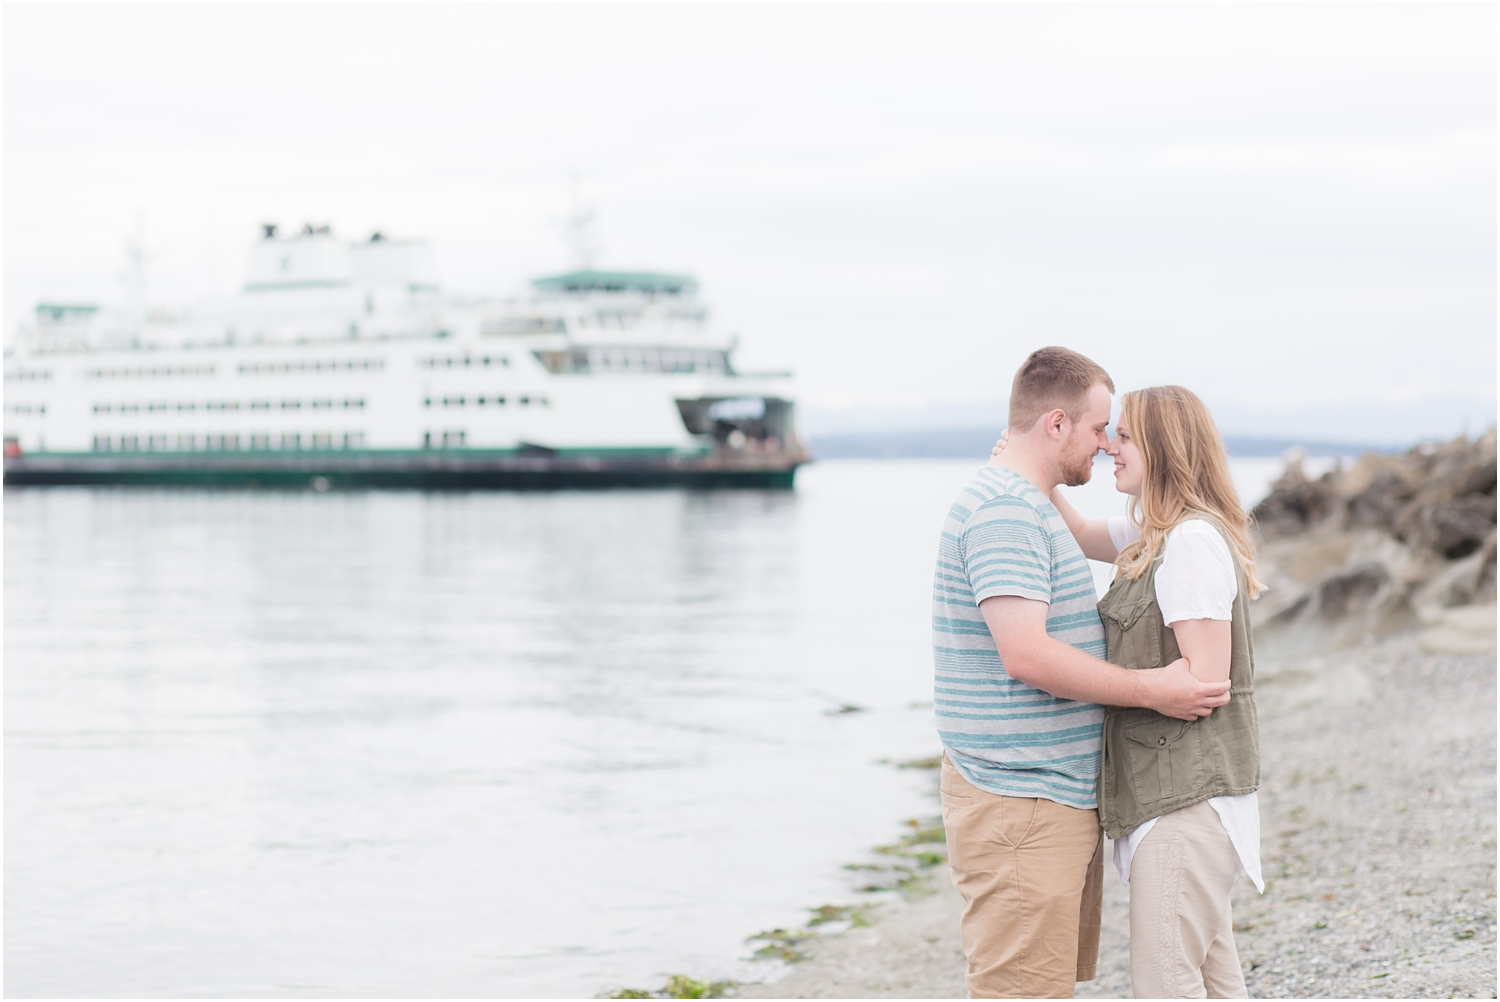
x,y
1092,533
1205,645
1195,589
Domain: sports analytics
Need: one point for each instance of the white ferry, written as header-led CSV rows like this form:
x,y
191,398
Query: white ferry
x,y
345,365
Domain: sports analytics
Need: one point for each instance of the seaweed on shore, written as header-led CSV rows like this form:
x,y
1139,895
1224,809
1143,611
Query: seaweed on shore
x,y
856,915
930,762
781,944
915,845
678,986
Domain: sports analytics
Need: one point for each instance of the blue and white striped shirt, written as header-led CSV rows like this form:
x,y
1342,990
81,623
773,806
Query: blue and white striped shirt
x,y
1003,537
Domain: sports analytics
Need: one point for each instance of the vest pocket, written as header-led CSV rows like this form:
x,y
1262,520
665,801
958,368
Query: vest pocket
x,y
1132,633
1168,760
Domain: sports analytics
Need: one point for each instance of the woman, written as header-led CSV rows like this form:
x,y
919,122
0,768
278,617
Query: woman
x,y
1178,798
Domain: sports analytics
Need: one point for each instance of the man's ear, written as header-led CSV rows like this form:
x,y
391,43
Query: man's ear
x,y
1055,421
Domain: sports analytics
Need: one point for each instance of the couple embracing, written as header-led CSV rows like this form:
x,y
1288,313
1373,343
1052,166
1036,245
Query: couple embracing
x,y
1065,718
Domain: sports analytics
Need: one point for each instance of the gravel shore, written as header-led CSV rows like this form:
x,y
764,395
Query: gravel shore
x,y
1378,844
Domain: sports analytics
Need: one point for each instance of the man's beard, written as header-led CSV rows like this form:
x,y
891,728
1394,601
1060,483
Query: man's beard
x,y
1076,470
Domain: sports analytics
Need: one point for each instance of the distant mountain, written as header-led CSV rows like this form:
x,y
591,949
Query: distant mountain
x,y
975,443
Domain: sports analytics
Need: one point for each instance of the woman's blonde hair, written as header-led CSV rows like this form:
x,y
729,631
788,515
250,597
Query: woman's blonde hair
x,y
1186,476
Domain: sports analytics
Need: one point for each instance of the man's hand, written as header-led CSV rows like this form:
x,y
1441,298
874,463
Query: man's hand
x,y
1173,691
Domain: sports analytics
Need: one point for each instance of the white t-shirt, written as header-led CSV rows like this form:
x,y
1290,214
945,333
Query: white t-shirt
x,y
1196,580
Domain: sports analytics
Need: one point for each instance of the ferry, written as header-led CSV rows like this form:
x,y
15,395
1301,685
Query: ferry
x,y
345,365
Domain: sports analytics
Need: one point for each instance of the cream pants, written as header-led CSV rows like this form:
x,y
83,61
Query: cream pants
x,y
1181,933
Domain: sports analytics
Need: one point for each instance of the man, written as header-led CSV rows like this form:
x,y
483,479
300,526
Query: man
x,y
1017,644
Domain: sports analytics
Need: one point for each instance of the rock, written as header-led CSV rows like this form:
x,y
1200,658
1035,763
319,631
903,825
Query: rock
x,y
1389,543
1467,630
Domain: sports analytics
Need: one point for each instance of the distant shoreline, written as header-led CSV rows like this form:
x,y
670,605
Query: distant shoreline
x,y
967,443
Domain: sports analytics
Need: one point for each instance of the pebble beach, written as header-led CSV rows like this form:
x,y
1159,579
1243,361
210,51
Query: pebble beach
x,y
1378,842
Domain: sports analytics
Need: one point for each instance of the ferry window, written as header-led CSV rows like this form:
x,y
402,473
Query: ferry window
x,y
184,405
102,408
354,440
291,405
185,442
260,441
523,401
426,439
499,401
44,408
129,443
450,363
130,408
156,442
543,401
468,361
232,405
260,405
504,360
101,443
480,401
485,360
427,402
322,440
291,441
231,441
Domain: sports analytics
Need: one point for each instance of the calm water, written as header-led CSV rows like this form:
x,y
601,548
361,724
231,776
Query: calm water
x,y
460,744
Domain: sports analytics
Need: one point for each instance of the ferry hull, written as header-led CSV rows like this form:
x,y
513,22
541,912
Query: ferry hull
x,y
434,469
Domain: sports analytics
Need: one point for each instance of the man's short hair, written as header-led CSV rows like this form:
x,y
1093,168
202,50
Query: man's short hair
x,y
1051,378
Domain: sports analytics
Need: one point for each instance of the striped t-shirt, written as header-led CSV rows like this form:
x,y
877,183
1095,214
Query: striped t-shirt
x,y
1003,537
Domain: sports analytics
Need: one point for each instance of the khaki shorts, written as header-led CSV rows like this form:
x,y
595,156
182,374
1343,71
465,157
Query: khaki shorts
x,y
1031,873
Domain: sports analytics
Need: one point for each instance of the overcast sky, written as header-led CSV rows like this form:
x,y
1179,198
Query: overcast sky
x,y
1289,209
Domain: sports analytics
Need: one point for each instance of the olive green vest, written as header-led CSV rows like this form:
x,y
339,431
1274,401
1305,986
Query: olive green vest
x,y
1154,765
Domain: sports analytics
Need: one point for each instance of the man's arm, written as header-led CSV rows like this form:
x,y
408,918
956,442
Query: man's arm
x,y
1019,628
